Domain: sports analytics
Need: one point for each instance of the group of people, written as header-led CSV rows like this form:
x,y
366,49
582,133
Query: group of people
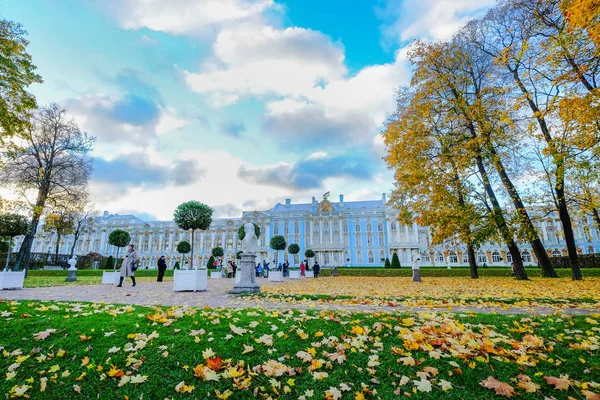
x,y
129,265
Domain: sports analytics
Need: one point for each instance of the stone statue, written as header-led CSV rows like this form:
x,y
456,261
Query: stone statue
x,y
250,241
72,262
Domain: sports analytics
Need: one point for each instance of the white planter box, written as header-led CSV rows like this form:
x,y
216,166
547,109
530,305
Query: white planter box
x,y
111,278
294,274
12,279
192,280
276,276
216,275
309,274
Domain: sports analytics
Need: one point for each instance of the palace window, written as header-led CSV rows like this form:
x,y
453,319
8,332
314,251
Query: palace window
x,y
425,258
380,227
439,258
307,227
370,239
369,227
552,236
381,256
346,239
371,259
509,258
357,227
481,258
380,239
358,242
359,258
345,227
296,228
229,244
556,253
276,228
326,226
497,257
453,258
346,257
393,227
285,228
465,258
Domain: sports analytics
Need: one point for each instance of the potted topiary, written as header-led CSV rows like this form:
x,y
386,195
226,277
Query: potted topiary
x,y
118,238
217,254
309,254
192,215
294,249
12,225
277,243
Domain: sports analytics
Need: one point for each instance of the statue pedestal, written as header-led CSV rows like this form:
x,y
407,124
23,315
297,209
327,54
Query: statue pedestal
x,y
416,275
72,274
246,271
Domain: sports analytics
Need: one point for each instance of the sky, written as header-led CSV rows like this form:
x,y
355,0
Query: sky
x,y
238,104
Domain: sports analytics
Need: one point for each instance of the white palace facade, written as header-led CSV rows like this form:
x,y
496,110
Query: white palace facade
x,y
343,233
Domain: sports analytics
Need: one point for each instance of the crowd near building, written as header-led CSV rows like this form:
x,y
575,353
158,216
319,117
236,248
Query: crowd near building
x,y
343,233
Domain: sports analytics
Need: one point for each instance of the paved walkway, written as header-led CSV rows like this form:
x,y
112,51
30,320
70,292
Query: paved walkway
x,y
217,295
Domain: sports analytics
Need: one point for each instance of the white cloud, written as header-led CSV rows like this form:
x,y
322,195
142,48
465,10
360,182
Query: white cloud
x,y
317,155
428,19
168,122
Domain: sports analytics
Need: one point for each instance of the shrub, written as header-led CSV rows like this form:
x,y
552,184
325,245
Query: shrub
x,y
184,247
110,263
387,263
585,261
309,253
242,231
395,261
87,261
176,266
238,255
218,252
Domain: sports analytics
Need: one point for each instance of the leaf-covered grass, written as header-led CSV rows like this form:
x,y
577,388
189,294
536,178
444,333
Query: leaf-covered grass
x,y
289,354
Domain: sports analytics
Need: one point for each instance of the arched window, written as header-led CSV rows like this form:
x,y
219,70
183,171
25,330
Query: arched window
x,y
326,226
380,227
371,259
307,227
481,258
380,239
453,258
276,228
346,240
425,258
286,229
345,226
370,239
229,245
552,236
358,242
556,253
381,256
497,257
359,258
357,227
296,228
439,258
465,258
369,227
346,257
509,258
393,227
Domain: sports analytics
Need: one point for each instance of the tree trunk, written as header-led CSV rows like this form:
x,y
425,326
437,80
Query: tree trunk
x,y
117,260
192,255
565,219
24,255
500,222
472,262
534,239
8,253
596,218
57,248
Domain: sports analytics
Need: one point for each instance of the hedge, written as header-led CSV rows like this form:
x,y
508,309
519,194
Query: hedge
x,y
585,261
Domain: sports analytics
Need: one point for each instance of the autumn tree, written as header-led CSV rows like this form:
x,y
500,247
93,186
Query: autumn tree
x,y
61,222
51,160
11,226
17,72
83,221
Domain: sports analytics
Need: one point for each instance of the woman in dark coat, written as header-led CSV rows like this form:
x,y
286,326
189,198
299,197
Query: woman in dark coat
x,y
162,267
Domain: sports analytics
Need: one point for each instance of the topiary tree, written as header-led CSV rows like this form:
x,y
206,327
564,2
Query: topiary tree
x,y
293,249
210,262
277,243
242,231
309,254
183,247
395,261
193,215
119,238
238,255
387,263
110,263
176,266
12,225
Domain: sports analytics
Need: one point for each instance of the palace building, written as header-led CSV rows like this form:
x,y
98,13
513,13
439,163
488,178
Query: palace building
x,y
342,233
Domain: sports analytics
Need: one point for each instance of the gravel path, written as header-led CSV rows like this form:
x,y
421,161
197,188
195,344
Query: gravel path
x,y
217,295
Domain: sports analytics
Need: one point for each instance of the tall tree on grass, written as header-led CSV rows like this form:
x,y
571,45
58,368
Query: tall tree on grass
x,y
277,243
193,215
11,226
51,160
83,220
119,238
61,222
17,72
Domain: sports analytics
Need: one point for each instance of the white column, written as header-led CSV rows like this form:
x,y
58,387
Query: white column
x,y
171,234
340,230
212,240
388,232
406,233
223,239
150,242
311,232
544,231
397,231
140,238
321,231
331,231
201,242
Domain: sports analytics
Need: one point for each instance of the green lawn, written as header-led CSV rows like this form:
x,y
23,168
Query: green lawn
x,y
101,351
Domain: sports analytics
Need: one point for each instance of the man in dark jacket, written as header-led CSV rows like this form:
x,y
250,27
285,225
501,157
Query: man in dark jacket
x,y
162,267
316,269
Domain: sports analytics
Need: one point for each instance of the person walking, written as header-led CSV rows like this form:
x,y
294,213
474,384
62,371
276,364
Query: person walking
x,y
265,269
234,266
302,268
162,267
128,266
285,269
316,269
229,269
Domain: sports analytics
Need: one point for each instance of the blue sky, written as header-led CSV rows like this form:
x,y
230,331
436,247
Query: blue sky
x,y
235,103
